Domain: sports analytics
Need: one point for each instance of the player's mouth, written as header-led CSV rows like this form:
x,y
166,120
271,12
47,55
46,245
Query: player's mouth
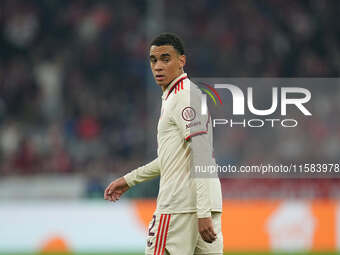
x,y
160,77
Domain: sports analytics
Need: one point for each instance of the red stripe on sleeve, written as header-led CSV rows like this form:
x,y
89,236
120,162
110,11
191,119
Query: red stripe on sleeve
x,y
195,134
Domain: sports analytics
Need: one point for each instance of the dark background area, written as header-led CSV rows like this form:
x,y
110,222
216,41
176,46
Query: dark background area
x,y
75,77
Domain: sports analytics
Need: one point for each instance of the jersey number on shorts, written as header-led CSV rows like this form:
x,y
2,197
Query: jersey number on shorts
x,y
152,225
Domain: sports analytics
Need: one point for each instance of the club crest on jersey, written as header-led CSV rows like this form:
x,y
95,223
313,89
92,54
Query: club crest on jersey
x,y
188,113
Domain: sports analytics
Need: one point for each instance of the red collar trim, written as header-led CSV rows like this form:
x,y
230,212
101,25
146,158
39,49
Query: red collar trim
x,y
172,88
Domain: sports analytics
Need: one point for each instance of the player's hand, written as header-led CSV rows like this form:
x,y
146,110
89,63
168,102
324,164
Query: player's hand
x,y
206,229
116,189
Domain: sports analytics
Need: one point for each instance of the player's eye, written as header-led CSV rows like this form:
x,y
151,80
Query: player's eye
x,y
152,60
166,60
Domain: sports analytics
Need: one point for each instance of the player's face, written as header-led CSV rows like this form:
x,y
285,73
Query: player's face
x,y
166,64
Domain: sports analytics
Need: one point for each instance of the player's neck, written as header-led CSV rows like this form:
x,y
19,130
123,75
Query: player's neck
x,y
166,86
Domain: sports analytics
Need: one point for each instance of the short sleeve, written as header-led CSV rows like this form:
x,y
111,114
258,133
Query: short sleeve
x,y
187,114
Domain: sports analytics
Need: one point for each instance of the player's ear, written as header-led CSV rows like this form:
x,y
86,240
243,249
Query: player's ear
x,y
182,60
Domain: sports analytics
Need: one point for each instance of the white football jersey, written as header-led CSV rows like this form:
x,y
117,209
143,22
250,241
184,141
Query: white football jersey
x,y
181,119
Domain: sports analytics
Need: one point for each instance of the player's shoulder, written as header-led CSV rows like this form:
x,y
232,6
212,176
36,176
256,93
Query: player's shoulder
x,y
185,89
190,86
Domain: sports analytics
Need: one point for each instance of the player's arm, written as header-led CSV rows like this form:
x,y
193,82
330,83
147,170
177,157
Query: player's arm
x,y
193,128
143,173
201,156
119,186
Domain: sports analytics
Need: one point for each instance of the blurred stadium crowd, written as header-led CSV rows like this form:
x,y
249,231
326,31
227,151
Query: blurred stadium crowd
x,y
72,86
73,78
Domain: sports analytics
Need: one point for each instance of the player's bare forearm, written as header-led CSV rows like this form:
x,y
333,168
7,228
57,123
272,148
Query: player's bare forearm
x,y
115,189
206,229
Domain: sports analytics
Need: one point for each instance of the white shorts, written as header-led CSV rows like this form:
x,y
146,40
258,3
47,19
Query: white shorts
x,y
177,234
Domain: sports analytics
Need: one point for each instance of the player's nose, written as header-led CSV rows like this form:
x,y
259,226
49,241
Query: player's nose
x,y
158,66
